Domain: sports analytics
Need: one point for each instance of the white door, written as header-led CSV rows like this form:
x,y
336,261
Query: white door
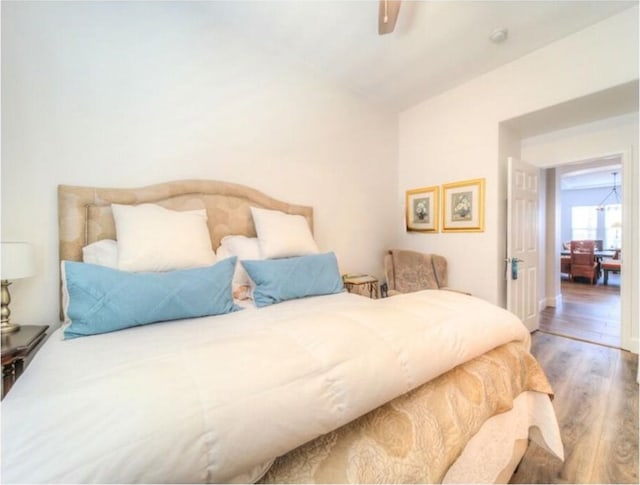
x,y
522,241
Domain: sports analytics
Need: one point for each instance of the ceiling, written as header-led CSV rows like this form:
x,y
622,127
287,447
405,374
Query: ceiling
x,y
594,174
436,44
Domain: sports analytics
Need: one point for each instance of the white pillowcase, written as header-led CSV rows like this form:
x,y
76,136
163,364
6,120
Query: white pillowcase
x,y
244,248
152,238
282,235
103,252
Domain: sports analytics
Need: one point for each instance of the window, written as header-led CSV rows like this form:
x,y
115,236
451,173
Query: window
x,y
612,226
584,222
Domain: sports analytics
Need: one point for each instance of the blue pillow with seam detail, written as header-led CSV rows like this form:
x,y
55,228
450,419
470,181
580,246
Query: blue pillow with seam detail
x,y
101,299
284,279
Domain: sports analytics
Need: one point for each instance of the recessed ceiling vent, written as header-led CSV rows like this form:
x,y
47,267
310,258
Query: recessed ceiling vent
x,y
499,35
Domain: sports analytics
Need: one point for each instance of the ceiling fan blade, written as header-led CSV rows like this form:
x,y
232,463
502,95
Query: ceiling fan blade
x,y
387,15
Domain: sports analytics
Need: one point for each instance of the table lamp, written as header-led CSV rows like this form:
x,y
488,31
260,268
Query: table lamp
x,y
17,262
617,226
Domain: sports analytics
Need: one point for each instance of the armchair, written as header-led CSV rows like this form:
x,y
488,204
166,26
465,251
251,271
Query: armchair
x,y
613,265
583,262
408,271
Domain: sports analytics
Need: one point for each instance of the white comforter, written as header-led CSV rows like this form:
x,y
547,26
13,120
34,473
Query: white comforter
x,y
216,399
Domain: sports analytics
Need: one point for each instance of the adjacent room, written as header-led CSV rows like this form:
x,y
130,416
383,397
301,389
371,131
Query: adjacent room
x,y
591,215
232,231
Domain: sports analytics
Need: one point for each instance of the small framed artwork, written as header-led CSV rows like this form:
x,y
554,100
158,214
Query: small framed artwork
x,y
422,209
463,206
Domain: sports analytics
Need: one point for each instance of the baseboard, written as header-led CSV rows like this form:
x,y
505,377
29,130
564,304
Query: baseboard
x,y
551,301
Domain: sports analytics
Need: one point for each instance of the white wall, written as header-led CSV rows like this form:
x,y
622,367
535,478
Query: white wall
x,y
611,137
588,141
455,136
130,94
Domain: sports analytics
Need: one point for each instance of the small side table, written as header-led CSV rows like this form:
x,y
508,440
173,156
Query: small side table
x,y
361,285
16,347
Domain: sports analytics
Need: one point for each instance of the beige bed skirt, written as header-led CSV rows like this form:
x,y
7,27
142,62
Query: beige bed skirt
x,y
418,436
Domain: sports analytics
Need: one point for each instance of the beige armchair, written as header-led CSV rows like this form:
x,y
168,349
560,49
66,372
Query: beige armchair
x,y
408,271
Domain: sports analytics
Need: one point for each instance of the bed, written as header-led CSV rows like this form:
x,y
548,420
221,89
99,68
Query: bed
x,y
325,388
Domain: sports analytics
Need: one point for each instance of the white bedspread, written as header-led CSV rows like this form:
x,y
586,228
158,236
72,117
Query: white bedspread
x,y
216,399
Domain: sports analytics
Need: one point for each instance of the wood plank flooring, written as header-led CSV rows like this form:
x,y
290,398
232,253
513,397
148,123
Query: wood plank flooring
x,y
586,312
596,402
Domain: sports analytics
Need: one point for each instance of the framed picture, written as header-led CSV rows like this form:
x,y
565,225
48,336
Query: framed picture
x,y
463,206
422,209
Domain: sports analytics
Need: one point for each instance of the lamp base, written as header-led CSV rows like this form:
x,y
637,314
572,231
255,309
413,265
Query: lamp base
x,y
9,327
5,326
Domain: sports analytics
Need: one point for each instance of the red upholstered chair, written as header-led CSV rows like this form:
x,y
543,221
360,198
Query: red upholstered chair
x,y
611,265
583,261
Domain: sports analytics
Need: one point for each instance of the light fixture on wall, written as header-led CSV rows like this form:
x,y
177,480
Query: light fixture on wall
x,y
614,192
17,262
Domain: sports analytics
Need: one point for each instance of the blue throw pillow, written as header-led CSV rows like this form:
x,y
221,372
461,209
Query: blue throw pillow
x,y
278,280
102,299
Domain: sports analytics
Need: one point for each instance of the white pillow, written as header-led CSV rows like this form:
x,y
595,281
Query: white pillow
x,y
152,238
282,235
103,252
244,248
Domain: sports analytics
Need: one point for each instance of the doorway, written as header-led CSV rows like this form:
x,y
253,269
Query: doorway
x,y
551,138
588,207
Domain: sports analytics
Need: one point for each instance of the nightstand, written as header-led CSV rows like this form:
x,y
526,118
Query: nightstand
x,y
16,348
361,285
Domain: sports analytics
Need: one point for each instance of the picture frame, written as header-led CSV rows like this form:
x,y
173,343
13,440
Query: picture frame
x,y
422,209
463,206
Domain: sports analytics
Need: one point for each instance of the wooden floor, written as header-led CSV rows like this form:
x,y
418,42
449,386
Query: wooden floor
x,y
587,312
596,402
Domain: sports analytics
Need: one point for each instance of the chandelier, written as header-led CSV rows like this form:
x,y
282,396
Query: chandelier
x,y
614,192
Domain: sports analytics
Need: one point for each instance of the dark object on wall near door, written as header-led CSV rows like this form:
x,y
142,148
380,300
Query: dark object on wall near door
x,y
583,263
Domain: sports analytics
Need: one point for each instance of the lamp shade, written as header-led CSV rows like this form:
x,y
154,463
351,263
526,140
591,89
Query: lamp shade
x,y
17,261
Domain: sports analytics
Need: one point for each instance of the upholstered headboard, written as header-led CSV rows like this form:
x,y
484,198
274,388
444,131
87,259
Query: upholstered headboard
x,y
84,213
